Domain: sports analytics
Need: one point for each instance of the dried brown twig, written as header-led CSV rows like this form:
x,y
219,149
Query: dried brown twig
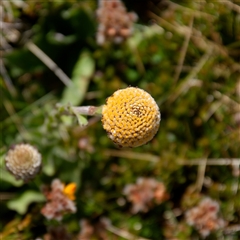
x,y
193,12
231,5
199,40
8,82
48,62
132,155
123,233
154,158
201,174
211,161
183,52
232,228
190,80
14,118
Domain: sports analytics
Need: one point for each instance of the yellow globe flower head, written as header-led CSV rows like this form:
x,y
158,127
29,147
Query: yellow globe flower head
x,y
131,117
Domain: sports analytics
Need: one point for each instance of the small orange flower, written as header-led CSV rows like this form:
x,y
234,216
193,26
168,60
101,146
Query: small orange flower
x,y
69,190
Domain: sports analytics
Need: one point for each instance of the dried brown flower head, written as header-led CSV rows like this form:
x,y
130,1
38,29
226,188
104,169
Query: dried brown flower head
x,y
144,193
59,203
204,217
23,161
131,117
57,233
115,23
94,231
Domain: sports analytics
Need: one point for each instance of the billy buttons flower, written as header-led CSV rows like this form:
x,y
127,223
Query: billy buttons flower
x,y
131,117
23,161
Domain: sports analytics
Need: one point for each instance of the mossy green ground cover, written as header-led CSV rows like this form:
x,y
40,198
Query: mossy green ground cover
x,y
185,54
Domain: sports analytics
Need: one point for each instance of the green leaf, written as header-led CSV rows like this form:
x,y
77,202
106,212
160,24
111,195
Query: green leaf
x,y
7,177
60,39
82,72
132,75
21,203
82,120
18,67
49,167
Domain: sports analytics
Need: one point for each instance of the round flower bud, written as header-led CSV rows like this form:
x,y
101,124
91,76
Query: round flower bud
x,y
131,117
23,161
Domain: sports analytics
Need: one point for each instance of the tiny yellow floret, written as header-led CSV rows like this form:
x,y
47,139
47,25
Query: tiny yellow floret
x,y
131,117
69,190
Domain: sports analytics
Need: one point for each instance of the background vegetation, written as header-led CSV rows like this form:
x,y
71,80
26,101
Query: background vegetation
x,y
186,54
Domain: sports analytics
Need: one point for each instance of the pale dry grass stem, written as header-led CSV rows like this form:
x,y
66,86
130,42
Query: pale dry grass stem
x,y
212,109
193,12
201,175
48,62
183,52
226,100
48,98
9,10
132,155
164,23
232,229
197,37
201,42
14,117
123,233
139,62
19,3
231,5
202,163
190,80
211,161
7,80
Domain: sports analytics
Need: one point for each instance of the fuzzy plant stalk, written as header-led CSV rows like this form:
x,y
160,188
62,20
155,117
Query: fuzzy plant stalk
x,y
131,117
81,110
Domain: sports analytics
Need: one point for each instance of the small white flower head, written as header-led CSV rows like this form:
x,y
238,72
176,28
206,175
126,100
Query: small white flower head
x,y
23,161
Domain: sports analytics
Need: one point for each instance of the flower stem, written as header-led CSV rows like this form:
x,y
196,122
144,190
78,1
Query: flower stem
x,y
82,110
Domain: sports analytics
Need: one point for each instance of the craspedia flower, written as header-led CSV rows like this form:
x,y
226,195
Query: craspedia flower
x,y
23,161
131,117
